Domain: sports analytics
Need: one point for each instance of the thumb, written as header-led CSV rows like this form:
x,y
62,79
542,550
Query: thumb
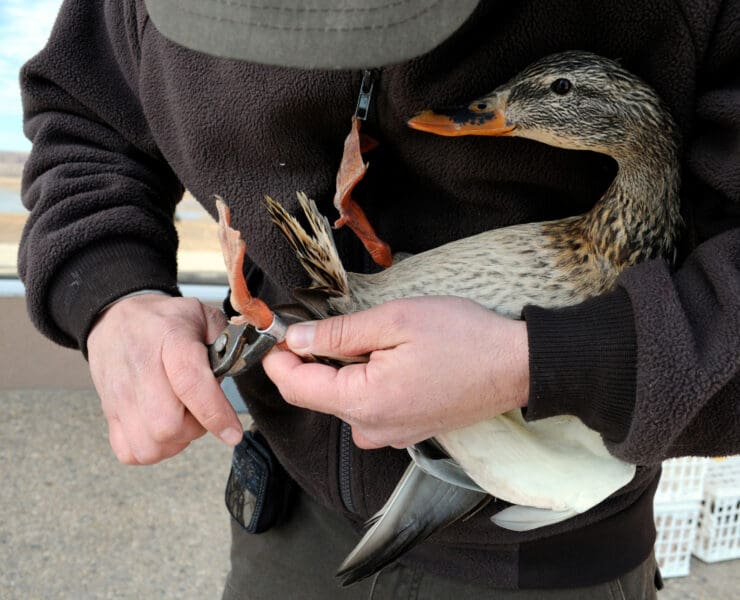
x,y
347,335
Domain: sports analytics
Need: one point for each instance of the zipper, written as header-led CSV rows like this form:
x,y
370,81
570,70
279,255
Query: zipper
x,y
362,111
366,94
345,466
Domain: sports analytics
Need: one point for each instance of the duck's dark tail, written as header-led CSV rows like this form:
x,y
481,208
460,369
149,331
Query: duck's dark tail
x,y
420,505
315,248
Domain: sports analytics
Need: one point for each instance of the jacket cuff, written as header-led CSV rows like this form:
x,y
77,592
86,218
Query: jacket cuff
x,y
90,281
583,362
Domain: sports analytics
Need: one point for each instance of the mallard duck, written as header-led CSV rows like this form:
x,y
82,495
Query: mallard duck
x,y
573,100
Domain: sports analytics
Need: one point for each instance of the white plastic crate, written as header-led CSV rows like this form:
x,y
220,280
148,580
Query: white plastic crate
x,y
675,523
718,534
682,480
723,466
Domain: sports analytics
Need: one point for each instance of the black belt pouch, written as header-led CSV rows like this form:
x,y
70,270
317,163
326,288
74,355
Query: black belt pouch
x,y
259,491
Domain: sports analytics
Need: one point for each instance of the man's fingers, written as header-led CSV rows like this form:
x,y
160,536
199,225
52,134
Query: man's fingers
x,y
355,334
119,444
186,364
174,427
165,418
318,387
316,382
133,448
361,441
145,451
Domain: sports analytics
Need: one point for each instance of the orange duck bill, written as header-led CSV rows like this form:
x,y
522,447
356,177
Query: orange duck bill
x,y
479,118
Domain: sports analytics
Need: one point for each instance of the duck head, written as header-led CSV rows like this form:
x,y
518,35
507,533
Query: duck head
x,y
575,100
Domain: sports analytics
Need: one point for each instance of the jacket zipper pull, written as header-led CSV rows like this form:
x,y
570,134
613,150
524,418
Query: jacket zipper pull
x,y
366,94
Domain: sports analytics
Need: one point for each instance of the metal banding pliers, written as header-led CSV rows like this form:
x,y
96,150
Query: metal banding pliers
x,y
239,347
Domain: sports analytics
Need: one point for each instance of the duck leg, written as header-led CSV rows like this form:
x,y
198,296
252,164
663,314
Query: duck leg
x,y
251,310
351,171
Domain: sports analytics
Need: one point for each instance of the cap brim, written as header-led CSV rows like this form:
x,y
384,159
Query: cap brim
x,y
314,34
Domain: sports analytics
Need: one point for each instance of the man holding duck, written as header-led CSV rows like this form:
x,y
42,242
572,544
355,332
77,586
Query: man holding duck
x,y
243,100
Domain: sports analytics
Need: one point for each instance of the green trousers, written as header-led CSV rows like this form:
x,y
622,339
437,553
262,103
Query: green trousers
x,y
297,561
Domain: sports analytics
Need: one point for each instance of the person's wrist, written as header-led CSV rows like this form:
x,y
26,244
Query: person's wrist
x,y
132,295
119,301
507,375
519,364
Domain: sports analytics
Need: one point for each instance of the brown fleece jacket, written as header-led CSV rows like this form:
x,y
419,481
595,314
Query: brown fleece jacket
x,y
122,119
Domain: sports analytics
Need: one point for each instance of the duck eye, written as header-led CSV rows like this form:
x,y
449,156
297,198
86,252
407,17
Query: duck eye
x,y
482,106
561,86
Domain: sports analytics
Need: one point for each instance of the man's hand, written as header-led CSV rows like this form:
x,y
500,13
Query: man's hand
x,y
436,364
150,366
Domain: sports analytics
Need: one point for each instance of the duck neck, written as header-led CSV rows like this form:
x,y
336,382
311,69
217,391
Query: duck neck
x,y
638,216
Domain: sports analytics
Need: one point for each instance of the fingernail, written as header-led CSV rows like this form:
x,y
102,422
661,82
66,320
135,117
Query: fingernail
x,y
231,436
300,336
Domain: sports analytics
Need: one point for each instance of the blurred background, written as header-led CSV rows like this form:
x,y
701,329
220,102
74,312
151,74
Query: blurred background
x,y
24,29
76,524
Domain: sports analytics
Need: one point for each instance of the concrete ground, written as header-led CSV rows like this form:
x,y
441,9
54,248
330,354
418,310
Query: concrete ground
x,y
77,525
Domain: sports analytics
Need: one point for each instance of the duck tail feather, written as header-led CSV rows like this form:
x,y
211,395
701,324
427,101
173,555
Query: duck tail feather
x,y
526,518
420,505
315,249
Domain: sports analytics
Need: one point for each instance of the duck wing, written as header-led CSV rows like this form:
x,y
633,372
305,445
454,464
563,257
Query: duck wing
x,y
420,505
541,469
556,467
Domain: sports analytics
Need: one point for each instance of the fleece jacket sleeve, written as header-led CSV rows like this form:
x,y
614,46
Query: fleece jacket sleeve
x,y
101,197
655,365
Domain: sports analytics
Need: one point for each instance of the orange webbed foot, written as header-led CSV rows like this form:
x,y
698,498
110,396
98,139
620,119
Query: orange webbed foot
x,y
351,171
251,310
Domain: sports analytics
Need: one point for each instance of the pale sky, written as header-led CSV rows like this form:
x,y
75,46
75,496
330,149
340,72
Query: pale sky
x,y
24,29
